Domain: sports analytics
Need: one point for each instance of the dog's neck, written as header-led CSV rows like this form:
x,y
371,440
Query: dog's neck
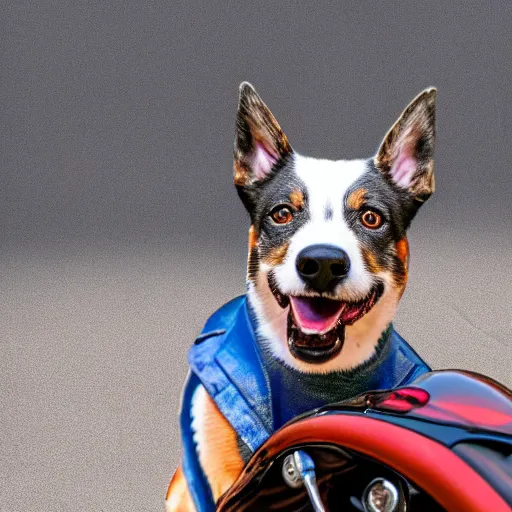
x,y
294,392
361,338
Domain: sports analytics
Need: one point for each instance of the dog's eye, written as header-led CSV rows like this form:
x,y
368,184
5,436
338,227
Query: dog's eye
x,y
282,214
371,219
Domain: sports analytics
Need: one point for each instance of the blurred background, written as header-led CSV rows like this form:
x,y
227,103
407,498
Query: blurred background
x,y
121,230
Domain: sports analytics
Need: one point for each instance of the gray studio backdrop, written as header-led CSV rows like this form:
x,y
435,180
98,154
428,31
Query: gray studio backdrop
x,y
121,231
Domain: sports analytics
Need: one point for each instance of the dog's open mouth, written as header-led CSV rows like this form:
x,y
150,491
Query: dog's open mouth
x,y
316,325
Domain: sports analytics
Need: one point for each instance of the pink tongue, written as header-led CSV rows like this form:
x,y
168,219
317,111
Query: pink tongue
x,y
316,314
350,313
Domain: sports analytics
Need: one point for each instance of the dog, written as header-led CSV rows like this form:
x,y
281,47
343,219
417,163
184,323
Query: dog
x,y
327,265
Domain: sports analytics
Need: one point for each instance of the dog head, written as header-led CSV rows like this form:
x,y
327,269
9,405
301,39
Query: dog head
x,y
328,253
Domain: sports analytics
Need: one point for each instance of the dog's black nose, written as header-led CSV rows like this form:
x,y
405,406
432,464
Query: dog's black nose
x,y
322,267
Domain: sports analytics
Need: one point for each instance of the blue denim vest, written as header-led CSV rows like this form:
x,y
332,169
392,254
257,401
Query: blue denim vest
x,y
226,360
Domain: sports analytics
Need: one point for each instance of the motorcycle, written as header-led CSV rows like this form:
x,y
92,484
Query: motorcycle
x,y
442,443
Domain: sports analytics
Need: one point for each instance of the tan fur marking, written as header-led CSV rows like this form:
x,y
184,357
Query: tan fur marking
x,y
277,256
178,497
241,173
253,238
402,253
371,261
402,250
252,257
356,199
297,198
217,446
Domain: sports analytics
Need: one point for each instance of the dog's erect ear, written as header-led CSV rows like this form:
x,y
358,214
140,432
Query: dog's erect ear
x,y
260,142
406,155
